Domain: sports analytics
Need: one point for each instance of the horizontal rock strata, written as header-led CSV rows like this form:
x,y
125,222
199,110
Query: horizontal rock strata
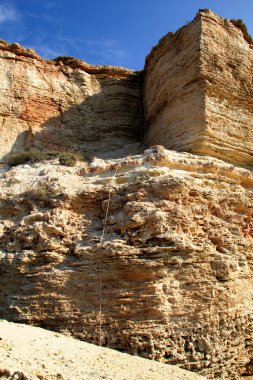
x,y
65,104
174,90
173,279
198,90
197,96
149,254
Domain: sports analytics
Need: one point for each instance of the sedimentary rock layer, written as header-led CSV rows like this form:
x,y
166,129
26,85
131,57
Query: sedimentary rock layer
x,y
198,90
227,66
174,91
65,103
197,97
173,279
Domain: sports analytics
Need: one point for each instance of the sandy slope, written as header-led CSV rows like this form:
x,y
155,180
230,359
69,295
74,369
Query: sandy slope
x,y
40,354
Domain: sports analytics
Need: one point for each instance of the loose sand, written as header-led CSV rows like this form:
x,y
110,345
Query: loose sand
x,y
45,355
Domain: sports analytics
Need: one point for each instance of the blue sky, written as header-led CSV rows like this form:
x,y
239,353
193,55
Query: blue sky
x,y
111,32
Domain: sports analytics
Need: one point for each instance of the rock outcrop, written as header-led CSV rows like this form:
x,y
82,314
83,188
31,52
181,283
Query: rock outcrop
x,y
65,104
150,254
173,279
198,94
44,355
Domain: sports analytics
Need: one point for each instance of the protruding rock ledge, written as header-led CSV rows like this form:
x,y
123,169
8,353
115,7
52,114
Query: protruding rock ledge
x,y
72,62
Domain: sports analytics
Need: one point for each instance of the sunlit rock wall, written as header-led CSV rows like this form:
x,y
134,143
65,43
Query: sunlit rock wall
x,y
65,104
198,90
174,277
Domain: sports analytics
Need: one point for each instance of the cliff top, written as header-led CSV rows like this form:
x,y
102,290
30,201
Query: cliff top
x,y
76,63
72,62
233,23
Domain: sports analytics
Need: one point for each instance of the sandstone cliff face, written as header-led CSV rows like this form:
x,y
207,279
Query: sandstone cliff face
x,y
198,90
227,64
174,275
197,97
174,91
150,254
65,104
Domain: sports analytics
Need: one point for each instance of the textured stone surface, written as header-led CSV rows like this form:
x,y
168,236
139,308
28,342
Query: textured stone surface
x,y
227,64
65,103
44,355
198,94
197,97
174,92
173,276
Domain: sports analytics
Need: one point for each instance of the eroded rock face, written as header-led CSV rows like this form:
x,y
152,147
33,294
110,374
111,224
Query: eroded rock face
x,y
198,90
168,274
197,97
65,104
174,91
174,275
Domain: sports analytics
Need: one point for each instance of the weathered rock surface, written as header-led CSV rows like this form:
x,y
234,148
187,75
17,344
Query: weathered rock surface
x,y
173,279
149,254
37,354
198,94
65,103
198,97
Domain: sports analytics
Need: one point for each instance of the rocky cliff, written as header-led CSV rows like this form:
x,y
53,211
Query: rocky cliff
x,y
150,254
173,277
198,94
65,104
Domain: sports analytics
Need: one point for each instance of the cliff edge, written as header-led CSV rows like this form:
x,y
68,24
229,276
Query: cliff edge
x,y
198,94
150,253
65,104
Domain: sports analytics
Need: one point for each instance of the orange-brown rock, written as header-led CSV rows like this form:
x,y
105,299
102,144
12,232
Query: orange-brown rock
x,y
174,275
65,103
150,254
198,94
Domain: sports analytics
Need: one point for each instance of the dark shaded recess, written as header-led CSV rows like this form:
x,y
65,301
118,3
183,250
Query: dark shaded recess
x,y
104,122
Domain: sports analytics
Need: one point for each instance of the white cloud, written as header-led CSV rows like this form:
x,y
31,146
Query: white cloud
x,y
105,44
8,13
48,52
50,4
73,42
107,50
